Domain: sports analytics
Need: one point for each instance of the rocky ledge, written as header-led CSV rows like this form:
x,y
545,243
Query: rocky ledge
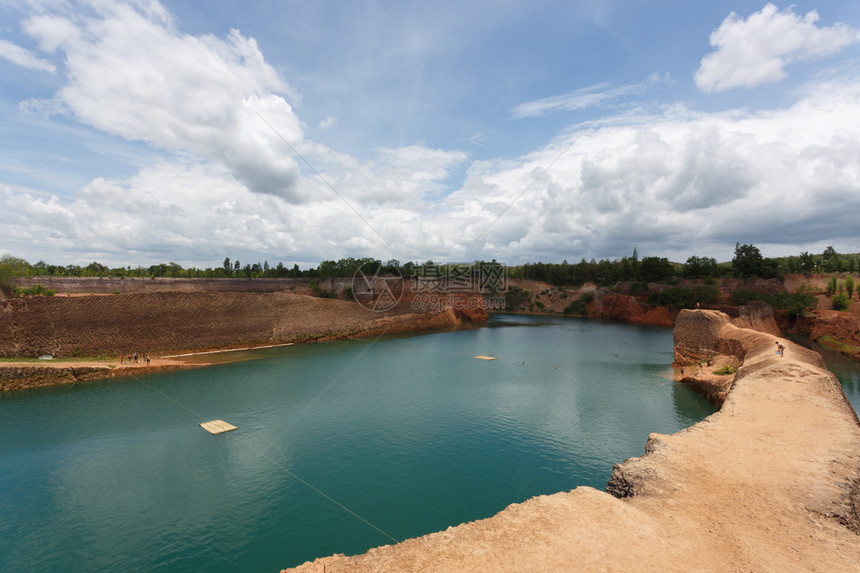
x,y
771,482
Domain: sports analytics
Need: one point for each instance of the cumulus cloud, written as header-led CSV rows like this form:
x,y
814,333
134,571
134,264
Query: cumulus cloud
x,y
671,182
754,51
129,72
680,182
24,58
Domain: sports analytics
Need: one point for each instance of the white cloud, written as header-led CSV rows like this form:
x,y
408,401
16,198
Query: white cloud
x,y
672,184
757,50
681,182
24,58
130,73
590,96
327,122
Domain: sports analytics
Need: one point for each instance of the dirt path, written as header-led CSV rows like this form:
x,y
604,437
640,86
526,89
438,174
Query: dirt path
x,y
771,482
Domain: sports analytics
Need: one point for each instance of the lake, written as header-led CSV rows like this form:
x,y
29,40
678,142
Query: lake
x,y
340,446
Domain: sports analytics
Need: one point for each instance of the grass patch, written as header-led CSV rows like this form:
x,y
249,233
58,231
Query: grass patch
x,y
725,370
837,344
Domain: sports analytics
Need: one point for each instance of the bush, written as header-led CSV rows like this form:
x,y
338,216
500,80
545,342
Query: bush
x,y
576,307
516,298
6,286
831,286
795,303
37,290
725,370
320,292
849,286
840,301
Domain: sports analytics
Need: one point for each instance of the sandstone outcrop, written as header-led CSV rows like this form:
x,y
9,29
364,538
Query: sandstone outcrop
x,y
771,482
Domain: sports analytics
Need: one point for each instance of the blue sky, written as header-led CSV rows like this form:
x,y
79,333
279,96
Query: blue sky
x,y
143,132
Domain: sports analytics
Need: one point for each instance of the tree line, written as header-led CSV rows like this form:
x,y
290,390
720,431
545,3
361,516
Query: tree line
x,y
747,262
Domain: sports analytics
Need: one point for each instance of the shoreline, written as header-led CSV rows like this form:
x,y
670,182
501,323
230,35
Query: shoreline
x,y
771,481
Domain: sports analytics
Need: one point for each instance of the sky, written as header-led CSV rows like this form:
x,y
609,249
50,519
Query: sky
x,y
295,131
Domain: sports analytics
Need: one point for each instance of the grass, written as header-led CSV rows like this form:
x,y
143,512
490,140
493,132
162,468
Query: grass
x,y
725,370
837,344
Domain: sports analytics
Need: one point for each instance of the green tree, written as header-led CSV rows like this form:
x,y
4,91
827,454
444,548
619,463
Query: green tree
x,y
832,261
700,267
655,269
807,262
840,302
831,286
748,261
6,286
849,286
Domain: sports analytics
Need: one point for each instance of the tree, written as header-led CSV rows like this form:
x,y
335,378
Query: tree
x,y
807,262
6,286
747,261
227,266
849,286
840,302
832,260
700,267
655,269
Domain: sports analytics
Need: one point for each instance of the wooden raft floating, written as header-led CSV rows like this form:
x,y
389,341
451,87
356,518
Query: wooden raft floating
x,y
217,426
485,357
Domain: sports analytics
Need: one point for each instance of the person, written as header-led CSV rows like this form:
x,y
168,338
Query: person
x,y
682,371
781,349
146,356
697,306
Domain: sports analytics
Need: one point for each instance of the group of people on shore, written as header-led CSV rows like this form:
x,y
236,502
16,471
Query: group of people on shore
x,y
138,358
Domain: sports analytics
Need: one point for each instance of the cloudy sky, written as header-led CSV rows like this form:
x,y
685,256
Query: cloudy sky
x,y
142,132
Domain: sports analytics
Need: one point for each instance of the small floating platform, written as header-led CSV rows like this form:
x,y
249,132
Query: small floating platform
x,y
485,357
217,426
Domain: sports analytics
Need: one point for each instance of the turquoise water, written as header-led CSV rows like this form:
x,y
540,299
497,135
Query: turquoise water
x,y
846,370
341,446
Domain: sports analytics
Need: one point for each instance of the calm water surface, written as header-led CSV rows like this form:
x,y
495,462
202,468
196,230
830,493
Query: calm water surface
x,y
846,370
339,445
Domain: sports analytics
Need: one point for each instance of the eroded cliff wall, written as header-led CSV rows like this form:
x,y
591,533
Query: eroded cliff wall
x,y
179,321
